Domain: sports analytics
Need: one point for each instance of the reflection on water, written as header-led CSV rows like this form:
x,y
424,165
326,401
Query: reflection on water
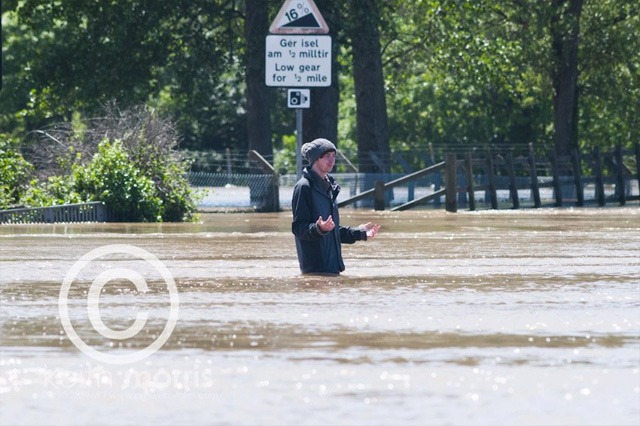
x,y
507,317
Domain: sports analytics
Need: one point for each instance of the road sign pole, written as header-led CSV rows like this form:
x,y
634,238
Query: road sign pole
x,y
299,56
298,143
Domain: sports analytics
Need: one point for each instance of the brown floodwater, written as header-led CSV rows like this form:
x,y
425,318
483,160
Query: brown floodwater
x,y
492,317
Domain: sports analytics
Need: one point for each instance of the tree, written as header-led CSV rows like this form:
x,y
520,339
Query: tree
x,y
321,119
459,72
474,73
71,57
258,107
258,101
372,130
565,30
456,76
126,159
609,81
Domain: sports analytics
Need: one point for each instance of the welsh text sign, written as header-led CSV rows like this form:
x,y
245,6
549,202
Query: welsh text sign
x,y
298,61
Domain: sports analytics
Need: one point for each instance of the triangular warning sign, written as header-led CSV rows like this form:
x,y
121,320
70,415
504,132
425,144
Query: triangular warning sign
x,y
299,17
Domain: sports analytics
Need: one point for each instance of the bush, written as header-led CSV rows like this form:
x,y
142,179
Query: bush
x,y
136,172
14,174
113,178
54,191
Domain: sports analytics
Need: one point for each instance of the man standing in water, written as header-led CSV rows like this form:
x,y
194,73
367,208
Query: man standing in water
x,y
316,223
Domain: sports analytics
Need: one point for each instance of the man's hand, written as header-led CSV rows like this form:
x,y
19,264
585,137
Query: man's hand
x,y
370,228
325,225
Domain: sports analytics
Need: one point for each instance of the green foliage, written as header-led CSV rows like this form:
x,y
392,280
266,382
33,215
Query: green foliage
x,y
610,73
52,191
134,191
473,73
456,71
456,75
135,172
14,173
113,178
180,55
285,158
168,176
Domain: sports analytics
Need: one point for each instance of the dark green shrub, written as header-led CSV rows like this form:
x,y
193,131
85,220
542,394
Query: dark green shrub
x,y
112,177
14,174
136,171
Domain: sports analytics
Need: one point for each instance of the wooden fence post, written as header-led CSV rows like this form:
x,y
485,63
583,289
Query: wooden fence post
x,y
577,176
557,187
620,176
493,195
535,189
468,161
274,203
513,187
411,186
436,178
378,195
637,146
597,169
451,183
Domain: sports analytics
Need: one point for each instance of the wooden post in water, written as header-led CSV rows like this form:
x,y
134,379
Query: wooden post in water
x,y
620,176
513,188
451,183
469,169
436,178
577,176
411,186
597,170
493,195
557,187
637,146
272,205
378,195
535,189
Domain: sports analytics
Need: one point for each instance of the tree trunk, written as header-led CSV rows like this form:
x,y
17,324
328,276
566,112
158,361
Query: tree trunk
x,y
256,25
321,119
565,32
372,128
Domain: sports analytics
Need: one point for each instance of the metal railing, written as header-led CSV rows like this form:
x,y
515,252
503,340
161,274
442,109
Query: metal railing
x,y
85,212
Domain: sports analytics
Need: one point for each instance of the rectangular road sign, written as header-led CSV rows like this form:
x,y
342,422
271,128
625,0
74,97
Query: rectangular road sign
x,y
298,61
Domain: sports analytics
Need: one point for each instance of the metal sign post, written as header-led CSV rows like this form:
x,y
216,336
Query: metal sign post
x,y
298,99
299,143
299,55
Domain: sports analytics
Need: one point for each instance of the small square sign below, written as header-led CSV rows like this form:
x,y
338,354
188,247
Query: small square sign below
x,y
298,98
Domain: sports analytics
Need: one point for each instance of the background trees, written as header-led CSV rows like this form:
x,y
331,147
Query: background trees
x,y
466,73
512,72
372,132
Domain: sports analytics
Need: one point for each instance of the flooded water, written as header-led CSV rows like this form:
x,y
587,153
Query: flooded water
x,y
495,317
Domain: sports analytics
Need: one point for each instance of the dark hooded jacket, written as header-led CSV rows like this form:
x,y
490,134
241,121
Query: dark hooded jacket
x,y
319,252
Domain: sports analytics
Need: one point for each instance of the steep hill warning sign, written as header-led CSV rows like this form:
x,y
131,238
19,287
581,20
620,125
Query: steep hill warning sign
x,y
299,17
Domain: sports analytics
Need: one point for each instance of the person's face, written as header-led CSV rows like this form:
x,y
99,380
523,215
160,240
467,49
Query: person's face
x,y
326,162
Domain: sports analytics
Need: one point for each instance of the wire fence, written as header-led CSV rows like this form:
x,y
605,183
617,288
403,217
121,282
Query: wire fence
x,y
219,191
399,161
230,180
